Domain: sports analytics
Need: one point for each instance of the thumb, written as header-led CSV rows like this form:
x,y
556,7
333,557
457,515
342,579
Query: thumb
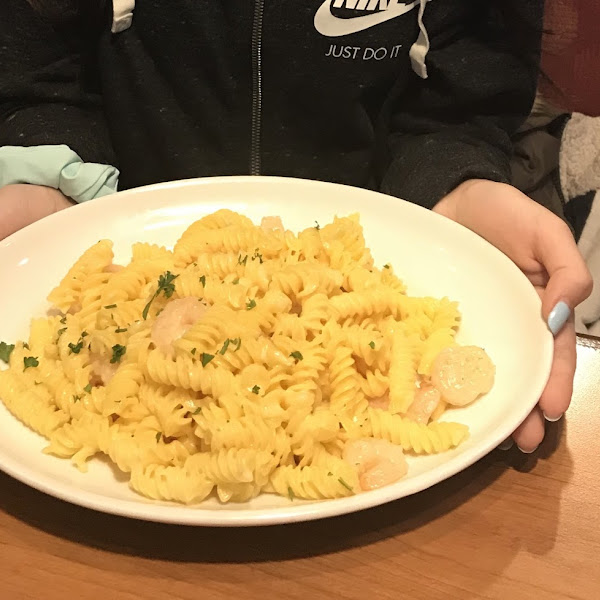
x,y
569,280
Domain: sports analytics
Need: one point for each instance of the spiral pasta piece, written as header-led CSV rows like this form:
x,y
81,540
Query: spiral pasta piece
x,y
174,483
93,260
30,407
316,482
235,465
186,373
416,437
402,374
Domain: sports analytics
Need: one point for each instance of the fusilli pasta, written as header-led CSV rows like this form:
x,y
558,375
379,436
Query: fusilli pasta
x,y
246,360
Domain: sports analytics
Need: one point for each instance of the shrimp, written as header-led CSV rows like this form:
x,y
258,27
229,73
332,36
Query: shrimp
x,y
74,308
173,322
272,223
382,402
423,406
113,268
462,374
378,462
102,370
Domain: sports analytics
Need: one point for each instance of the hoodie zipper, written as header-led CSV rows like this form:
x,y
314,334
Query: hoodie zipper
x,y
259,6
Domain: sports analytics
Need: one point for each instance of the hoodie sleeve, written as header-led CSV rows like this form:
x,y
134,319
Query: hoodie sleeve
x,y
456,124
47,96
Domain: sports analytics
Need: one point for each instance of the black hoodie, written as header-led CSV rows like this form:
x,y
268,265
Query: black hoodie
x,y
320,89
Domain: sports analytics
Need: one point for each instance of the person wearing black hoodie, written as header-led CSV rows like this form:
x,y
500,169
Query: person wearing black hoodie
x,y
415,99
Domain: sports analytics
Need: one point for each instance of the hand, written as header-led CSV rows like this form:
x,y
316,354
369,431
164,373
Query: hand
x,y
542,246
22,204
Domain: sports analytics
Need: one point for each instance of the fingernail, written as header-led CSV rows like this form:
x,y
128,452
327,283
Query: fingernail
x,y
506,445
552,419
527,451
558,317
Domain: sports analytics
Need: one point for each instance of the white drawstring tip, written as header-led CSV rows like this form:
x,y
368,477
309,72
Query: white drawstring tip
x,y
418,51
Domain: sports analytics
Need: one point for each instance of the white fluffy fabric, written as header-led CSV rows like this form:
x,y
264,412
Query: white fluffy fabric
x,y
580,174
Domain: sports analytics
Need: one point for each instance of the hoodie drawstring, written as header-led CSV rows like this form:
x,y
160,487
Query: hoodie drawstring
x,y
418,51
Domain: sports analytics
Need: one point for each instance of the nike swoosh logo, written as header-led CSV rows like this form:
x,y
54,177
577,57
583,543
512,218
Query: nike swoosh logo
x,y
331,26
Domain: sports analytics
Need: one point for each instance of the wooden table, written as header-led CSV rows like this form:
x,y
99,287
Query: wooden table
x,y
511,527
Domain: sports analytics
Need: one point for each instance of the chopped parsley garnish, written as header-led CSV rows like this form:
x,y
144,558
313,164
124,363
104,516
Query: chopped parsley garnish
x,y
237,342
193,351
345,484
242,261
317,226
76,398
297,355
330,474
26,345
88,388
118,353
206,358
236,281
291,493
257,256
61,331
165,286
256,389
76,348
111,306
158,436
63,320
30,361
6,351
250,304
386,266
203,280
372,345
121,330
197,411
84,334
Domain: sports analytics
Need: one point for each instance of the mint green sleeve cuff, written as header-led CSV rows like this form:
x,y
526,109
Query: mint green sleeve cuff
x,y
57,167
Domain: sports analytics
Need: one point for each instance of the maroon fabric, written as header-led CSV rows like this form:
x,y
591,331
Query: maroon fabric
x,y
571,55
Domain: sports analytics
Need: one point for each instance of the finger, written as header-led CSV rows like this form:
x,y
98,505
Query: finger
x,y
530,433
22,204
569,281
42,201
556,397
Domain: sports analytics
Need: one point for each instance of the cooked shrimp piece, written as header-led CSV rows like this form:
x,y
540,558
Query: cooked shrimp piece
x,y
102,369
439,410
173,322
462,374
270,223
378,462
112,268
423,406
74,308
382,402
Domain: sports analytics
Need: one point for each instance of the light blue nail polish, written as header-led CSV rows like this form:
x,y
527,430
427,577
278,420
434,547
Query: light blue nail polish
x,y
505,445
558,317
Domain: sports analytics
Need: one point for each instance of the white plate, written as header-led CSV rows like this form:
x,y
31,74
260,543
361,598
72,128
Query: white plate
x,y
501,312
